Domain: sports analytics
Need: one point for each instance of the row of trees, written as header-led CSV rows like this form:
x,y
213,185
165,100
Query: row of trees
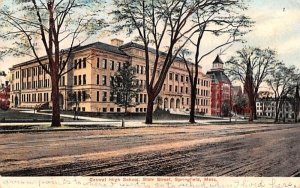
x,y
255,68
40,27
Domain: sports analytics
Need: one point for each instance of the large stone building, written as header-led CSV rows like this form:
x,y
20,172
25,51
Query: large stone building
x,y
96,65
220,87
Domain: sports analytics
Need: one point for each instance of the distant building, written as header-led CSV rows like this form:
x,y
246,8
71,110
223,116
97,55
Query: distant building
x,y
94,67
221,87
266,107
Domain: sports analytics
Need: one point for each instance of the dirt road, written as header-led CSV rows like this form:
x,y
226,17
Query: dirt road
x,y
235,150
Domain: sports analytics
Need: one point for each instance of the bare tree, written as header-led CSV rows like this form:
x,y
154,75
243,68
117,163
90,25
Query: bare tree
x,y
208,23
251,66
159,22
282,83
36,27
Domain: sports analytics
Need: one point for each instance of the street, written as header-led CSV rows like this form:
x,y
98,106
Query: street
x,y
208,150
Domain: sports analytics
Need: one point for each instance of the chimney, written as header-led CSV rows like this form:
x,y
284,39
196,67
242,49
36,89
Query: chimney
x,y
116,42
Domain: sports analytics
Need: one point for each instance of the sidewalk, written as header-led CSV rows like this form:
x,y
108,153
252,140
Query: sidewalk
x,y
70,116
102,122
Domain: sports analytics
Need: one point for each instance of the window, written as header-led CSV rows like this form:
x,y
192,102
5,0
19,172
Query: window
x,y
98,62
75,80
104,96
187,79
111,97
84,63
182,78
112,65
176,89
79,80
104,80
98,96
98,79
111,109
28,72
137,69
176,77
104,63
75,64
83,109
142,69
84,95
170,76
84,79
45,97
104,110
29,85
186,90
181,89
141,98
137,98
79,96
119,65
170,88
79,64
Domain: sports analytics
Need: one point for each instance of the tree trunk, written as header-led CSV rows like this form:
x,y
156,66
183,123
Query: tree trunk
x,y
250,97
193,104
126,111
149,114
276,117
254,110
55,103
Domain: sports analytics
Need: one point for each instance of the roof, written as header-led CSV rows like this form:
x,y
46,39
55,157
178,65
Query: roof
x,y
218,75
102,46
97,45
152,50
106,47
218,60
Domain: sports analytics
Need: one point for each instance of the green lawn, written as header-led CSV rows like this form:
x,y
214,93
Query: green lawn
x,y
17,116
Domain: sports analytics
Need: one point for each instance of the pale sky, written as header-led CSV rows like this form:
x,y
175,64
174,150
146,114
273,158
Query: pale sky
x,y
277,26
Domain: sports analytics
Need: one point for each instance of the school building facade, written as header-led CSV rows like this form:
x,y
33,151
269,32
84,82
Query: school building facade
x,y
93,67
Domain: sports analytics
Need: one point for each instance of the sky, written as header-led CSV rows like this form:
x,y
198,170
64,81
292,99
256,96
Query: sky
x,y
277,26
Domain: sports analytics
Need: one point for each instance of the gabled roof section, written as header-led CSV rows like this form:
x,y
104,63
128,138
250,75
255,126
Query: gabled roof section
x,y
103,46
152,50
97,45
218,60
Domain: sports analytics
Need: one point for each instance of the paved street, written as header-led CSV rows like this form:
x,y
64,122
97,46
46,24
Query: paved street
x,y
235,150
